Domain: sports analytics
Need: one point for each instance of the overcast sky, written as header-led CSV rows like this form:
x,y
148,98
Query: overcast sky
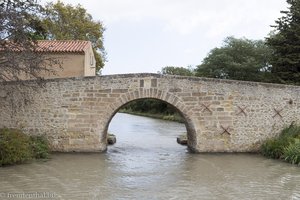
x,y
146,35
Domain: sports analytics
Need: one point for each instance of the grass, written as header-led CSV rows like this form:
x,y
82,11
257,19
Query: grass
x,y
291,153
286,146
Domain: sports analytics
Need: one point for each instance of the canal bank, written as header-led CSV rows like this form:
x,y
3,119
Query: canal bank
x,y
170,117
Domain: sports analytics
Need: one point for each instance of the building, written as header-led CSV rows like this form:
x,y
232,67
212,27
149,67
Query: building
x,y
76,57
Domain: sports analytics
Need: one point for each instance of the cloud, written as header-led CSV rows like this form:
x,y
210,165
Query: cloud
x,y
213,17
145,35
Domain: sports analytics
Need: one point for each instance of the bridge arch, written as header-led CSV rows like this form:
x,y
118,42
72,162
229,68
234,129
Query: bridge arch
x,y
220,115
163,96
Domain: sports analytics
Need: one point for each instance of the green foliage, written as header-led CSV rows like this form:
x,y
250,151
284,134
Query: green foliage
x,y
153,107
175,117
238,59
19,20
293,131
65,22
291,153
285,44
181,71
20,27
286,146
14,147
40,147
17,147
273,148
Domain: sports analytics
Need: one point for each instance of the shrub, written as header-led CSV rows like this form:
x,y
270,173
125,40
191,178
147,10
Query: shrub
x,y
17,147
286,146
292,152
291,131
272,148
14,147
40,147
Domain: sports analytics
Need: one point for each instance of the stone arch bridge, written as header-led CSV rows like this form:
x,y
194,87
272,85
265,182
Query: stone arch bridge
x,y
220,115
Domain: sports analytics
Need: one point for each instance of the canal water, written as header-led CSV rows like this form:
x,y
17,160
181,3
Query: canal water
x,y
147,163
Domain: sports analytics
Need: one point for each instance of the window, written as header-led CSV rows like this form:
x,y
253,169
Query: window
x,y
91,59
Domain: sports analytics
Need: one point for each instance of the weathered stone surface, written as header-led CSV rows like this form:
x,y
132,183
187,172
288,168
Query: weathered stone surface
x,y
182,139
220,115
111,139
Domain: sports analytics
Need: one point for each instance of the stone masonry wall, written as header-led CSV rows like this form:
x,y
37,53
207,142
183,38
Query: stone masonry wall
x,y
220,115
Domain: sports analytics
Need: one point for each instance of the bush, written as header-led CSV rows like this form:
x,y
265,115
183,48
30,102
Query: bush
x,y
14,147
272,148
292,152
17,147
286,146
40,147
293,131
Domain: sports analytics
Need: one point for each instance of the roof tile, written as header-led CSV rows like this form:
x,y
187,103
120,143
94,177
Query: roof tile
x,y
63,46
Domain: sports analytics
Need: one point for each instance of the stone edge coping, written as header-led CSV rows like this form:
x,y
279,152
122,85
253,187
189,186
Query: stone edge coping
x,y
144,75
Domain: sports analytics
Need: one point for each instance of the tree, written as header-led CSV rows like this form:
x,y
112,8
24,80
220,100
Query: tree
x,y
19,29
239,59
285,44
181,71
65,22
152,107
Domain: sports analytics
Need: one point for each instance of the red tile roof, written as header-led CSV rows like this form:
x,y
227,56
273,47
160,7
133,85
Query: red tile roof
x,y
63,46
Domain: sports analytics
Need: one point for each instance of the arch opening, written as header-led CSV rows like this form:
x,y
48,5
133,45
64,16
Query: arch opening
x,y
168,108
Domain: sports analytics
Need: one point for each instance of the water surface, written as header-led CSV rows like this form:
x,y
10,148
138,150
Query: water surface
x,y
147,163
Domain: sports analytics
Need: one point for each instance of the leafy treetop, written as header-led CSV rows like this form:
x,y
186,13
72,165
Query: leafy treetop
x,y
19,28
285,43
239,59
181,71
65,22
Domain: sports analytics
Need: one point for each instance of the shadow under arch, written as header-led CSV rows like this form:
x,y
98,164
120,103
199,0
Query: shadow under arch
x,y
166,97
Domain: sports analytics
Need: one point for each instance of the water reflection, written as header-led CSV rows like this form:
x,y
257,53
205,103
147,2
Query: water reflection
x,y
147,163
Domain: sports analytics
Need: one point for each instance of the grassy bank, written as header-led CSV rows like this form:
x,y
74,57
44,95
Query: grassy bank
x,y
171,117
286,146
17,147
